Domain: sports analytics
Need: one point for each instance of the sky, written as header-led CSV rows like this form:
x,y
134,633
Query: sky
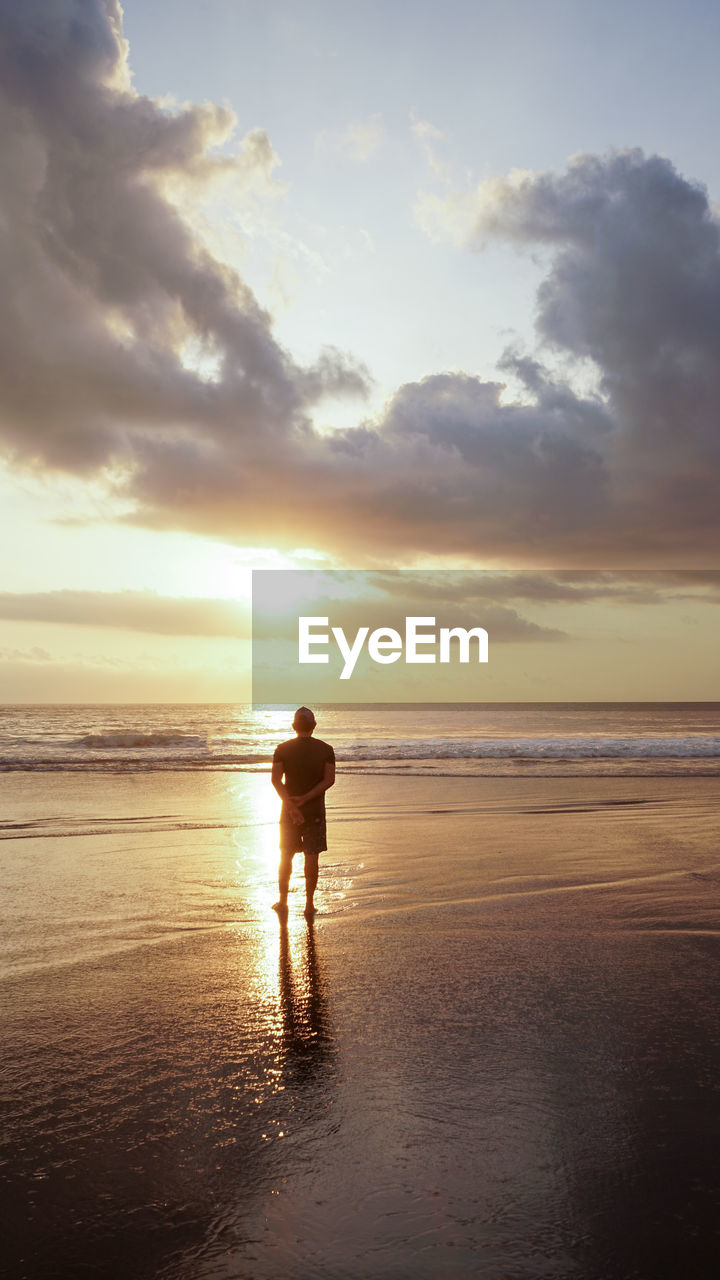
x,y
351,285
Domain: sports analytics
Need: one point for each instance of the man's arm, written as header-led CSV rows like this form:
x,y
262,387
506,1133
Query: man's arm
x,y
328,781
290,803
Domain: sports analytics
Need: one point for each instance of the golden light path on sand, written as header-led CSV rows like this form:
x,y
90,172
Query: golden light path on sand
x,y
278,979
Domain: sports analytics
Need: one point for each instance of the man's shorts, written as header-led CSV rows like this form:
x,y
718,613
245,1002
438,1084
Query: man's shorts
x,y
310,837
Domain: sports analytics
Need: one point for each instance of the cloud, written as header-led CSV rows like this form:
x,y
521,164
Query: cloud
x,y
487,599
359,140
104,284
502,622
35,654
624,474
106,287
432,140
129,610
565,586
633,289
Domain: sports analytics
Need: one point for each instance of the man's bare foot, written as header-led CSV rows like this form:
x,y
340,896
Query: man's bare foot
x,y
309,912
281,907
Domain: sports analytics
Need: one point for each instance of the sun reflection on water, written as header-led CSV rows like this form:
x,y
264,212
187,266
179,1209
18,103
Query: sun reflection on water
x,y
292,1032
283,991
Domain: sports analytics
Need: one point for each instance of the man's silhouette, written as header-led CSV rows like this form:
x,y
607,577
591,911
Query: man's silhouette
x,y
303,770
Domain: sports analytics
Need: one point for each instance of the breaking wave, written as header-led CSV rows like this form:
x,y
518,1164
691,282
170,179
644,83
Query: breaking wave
x,y
170,739
503,739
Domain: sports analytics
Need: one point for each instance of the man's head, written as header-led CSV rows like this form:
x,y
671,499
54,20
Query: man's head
x,y
304,721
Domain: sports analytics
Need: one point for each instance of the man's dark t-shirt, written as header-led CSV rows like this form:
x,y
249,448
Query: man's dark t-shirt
x,y
303,761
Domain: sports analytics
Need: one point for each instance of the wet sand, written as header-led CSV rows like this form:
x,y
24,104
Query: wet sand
x,y
496,1052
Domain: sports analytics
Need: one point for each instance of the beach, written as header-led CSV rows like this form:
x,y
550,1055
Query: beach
x,y
495,1053
360,379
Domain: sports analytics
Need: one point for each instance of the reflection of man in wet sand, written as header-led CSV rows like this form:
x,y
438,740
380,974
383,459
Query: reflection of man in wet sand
x,y
307,766
307,1040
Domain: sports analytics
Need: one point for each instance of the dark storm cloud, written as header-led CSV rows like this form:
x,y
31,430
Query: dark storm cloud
x,y
105,284
626,473
447,468
635,288
129,610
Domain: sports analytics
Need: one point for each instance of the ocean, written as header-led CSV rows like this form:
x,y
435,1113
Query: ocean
x,y
496,739
493,1055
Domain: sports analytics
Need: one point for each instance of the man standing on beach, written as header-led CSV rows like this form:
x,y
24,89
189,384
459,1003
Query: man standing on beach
x,y
307,766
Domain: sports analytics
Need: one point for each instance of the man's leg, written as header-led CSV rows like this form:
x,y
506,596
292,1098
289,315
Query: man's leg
x,y
311,878
284,873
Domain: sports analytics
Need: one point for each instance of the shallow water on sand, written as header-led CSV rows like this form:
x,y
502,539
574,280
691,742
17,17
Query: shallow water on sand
x,y
494,1054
